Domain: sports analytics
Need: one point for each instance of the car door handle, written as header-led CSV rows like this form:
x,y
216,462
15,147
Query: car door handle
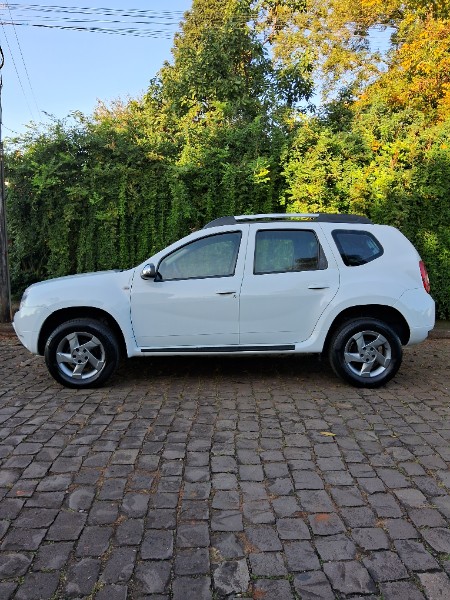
x,y
318,286
225,293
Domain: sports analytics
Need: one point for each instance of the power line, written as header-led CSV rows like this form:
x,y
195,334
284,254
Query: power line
x,y
17,73
24,64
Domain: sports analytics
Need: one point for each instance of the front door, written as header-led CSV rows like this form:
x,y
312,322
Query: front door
x,y
194,300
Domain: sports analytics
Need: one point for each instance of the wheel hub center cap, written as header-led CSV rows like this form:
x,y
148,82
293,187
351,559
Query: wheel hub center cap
x,y
368,354
80,356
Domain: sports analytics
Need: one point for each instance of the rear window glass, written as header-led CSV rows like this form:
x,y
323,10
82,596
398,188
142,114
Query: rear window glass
x,y
357,247
286,250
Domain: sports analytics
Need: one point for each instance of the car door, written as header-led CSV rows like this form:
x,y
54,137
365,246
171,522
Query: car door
x,y
194,299
288,283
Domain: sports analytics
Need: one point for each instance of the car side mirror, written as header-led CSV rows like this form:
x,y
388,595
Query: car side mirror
x,y
149,271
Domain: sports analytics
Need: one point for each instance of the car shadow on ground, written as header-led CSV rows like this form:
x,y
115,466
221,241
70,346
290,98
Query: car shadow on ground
x,y
242,368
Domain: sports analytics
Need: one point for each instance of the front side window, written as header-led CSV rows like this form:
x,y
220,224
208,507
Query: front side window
x,y
283,250
212,256
357,247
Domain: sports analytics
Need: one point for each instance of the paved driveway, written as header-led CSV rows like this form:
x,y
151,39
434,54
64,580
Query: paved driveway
x,y
196,479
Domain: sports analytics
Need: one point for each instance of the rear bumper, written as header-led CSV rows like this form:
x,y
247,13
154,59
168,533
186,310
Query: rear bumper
x,y
419,310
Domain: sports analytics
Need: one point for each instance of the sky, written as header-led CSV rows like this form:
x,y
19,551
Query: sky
x,y
58,71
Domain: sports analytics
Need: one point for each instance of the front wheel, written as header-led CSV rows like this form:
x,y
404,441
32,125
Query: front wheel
x,y
365,352
82,353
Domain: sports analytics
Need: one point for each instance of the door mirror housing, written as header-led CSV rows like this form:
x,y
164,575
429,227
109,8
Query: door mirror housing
x,y
149,271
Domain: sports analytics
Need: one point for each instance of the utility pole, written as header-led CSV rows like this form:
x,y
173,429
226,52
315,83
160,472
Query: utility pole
x,y
5,286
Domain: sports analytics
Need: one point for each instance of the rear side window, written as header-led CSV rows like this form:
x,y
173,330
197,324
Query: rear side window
x,y
357,247
283,251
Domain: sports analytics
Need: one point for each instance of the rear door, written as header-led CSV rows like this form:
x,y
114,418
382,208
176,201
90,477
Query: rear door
x,y
289,280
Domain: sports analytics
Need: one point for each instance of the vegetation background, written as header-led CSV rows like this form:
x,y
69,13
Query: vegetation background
x,y
230,126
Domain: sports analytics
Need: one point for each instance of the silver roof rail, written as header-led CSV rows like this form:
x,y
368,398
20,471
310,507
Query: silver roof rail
x,y
318,217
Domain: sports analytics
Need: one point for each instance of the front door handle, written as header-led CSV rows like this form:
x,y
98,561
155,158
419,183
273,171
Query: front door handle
x,y
318,286
225,293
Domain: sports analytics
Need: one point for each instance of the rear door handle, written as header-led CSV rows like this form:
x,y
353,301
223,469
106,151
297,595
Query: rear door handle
x,y
225,293
318,286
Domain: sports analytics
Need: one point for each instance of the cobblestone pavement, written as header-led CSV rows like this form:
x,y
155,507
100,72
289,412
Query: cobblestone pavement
x,y
204,478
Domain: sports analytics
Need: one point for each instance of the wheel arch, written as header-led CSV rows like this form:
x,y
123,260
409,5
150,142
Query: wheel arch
x,y
387,314
80,312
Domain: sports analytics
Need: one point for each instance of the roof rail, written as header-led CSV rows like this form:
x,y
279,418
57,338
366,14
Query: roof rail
x,y
318,217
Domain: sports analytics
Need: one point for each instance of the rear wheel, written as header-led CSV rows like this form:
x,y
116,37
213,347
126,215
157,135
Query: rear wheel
x,y
365,352
82,353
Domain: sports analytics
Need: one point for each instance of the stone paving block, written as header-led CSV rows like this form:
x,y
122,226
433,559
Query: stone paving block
x,y
397,590
94,541
326,524
112,592
267,564
313,585
192,535
189,587
400,529
300,556
272,589
438,538
336,547
414,556
426,517
349,577
371,538
231,577
14,564
81,578
38,586
130,532
316,501
157,545
7,589
52,556
161,518
35,518
103,513
67,526
358,516
435,585
226,546
348,496
385,505
293,529
192,561
307,480
263,538
23,539
152,577
385,566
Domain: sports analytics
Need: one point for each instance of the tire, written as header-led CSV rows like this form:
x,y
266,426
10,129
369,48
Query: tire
x,y
365,352
82,353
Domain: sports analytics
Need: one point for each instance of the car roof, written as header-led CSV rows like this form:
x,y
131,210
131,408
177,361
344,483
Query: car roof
x,y
265,218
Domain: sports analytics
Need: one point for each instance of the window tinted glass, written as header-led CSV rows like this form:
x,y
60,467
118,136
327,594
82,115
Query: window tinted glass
x,y
357,247
213,256
280,251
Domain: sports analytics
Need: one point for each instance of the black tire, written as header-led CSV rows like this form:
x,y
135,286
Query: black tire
x,y
82,353
365,352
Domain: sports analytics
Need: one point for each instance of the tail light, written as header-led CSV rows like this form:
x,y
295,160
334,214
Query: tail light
x,y
425,278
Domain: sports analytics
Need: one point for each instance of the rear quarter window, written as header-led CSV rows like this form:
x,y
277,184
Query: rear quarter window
x,y
357,247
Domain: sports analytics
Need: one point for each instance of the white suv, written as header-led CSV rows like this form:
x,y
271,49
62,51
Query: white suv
x,y
261,284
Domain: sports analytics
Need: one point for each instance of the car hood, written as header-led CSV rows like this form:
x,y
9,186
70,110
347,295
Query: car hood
x,y
84,286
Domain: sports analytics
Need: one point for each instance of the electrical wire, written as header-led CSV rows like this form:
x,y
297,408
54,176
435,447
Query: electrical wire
x,y
17,73
24,63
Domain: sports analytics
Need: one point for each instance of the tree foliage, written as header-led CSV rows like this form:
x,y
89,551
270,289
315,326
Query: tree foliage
x,y
223,130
